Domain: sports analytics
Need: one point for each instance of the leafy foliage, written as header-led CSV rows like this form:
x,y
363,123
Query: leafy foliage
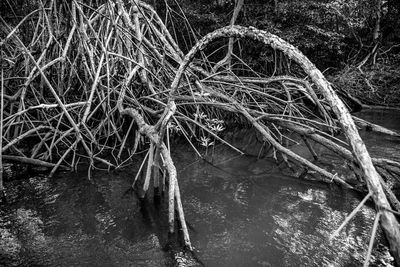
x,y
330,32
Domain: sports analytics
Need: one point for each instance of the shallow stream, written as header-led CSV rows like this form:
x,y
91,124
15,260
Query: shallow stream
x,y
241,212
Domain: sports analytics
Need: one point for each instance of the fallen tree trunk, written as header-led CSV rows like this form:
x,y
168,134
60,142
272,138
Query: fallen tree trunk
x,y
389,222
374,127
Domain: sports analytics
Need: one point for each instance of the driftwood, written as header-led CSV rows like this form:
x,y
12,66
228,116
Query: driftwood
x,y
374,127
113,73
388,221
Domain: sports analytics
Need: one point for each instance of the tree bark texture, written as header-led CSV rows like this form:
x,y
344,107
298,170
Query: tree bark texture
x,y
388,221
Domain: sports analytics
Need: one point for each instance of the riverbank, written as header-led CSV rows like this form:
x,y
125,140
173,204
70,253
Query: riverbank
x,y
377,85
239,215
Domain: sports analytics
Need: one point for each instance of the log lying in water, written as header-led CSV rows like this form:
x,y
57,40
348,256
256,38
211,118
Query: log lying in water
x,y
389,223
374,127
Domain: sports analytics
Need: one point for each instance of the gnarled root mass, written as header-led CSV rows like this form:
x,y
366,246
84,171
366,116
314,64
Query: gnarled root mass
x,y
103,83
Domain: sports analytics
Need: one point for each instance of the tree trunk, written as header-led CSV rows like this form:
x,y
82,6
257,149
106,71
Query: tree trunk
x,y
388,221
376,36
377,29
227,59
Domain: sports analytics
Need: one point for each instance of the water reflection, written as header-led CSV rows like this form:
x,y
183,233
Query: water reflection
x,y
70,221
272,219
241,211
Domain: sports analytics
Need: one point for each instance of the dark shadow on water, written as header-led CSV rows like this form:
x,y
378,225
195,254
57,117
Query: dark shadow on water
x,y
240,210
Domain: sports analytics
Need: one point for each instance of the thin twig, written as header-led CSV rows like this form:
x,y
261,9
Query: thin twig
x,y
350,216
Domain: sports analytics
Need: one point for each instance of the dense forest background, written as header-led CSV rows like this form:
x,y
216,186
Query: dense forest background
x,y
333,34
356,43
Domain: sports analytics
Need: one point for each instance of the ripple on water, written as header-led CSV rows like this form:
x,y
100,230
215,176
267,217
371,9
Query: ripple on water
x,y
241,212
273,220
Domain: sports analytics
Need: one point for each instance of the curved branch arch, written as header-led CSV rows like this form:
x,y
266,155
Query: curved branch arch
x,y
389,223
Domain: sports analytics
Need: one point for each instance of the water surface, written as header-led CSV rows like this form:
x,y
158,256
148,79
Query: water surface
x,y
241,211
